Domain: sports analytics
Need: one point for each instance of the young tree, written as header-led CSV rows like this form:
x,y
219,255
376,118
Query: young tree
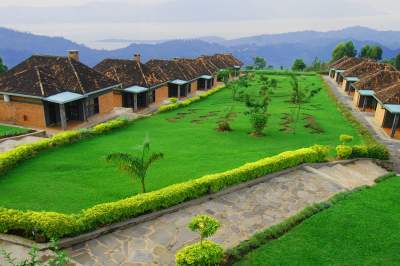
x,y
3,67
298,65
259,62
224,75
397,62
136,165
299,97
258,106
373,52
344,49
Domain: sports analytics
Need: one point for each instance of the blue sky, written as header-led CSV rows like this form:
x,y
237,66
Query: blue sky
x,y
86,21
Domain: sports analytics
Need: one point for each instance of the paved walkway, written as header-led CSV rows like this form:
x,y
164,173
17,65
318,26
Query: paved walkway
x,y
242,213
367,120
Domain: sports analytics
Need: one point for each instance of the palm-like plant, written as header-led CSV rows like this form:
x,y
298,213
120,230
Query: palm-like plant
x,y
136,165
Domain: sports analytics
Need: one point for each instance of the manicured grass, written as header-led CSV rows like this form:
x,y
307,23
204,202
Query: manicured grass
x,y
76,176
362,229
8,131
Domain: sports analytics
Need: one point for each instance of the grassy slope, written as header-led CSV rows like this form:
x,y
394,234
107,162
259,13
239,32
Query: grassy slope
x,y
6,131
76,176
361,230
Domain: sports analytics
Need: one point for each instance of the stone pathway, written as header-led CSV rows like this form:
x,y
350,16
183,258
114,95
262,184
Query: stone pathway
x,y
366,119
242,213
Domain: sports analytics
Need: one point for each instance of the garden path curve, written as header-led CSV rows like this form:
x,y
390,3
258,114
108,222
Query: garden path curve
x,y
242,213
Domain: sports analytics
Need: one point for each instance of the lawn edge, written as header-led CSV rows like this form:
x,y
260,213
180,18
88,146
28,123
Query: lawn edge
x,y
275,232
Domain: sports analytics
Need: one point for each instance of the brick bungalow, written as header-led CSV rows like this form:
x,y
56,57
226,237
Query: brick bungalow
x,y
45,91
140,85
387,113
366,88
360,71
345,65
333,66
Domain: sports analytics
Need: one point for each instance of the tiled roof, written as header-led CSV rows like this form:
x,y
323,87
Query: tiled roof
x,y
349,63
337,62
367,68
130,72
43,76
389,95
172,69
378,81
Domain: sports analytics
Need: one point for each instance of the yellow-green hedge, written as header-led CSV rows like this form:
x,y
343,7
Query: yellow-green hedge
x,y
45,225
11,158
173,106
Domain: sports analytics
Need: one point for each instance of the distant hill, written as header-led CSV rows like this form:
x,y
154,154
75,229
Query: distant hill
x,y
278,49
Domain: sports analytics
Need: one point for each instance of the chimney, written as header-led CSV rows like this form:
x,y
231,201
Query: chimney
x,y
136,57
73,54
176,58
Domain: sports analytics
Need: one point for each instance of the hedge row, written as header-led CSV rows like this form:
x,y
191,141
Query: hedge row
x,y
173,106
46,225
11,158
276,231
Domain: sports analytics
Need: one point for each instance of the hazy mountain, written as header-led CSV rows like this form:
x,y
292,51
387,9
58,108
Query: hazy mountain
x,y
278,49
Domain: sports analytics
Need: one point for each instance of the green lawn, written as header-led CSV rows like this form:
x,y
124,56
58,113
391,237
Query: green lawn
x,y
8,131
76,176
360,230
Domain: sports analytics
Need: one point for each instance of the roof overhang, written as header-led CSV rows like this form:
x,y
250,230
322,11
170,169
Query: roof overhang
x,y
237,67
366,92
392,108
178,82
339,71
136,89
206,77
64,97
352,79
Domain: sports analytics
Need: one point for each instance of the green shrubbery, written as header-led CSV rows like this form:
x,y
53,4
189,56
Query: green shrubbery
x,y
11,158
343,151
48,225
372,150
177,104
203,253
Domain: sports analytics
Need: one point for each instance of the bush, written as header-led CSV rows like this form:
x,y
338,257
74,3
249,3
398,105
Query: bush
x,y
48,225
343,151
207,253
345,139
205,225
173,100
375,151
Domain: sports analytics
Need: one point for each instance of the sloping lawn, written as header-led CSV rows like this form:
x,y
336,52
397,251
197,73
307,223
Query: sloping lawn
x,y
76,176
363,229
8,131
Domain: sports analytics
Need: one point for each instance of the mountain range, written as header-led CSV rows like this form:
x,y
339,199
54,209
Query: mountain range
x,y
278,49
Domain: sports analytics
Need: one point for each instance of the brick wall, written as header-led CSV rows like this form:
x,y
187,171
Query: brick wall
x,y
356,98
117,99
23,111
380,115
344,84
106,102
161,94
193,86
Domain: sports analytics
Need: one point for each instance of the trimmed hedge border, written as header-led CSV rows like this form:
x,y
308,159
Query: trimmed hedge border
x,y
276,231
174,106
42,226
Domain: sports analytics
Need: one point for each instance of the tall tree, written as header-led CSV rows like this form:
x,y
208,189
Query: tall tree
x,y
365,51
344,49
373,52
3,67
298,65
259,62
397,62
136,165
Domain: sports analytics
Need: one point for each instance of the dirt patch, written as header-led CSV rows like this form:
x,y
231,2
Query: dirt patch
x,y
286,123
313,125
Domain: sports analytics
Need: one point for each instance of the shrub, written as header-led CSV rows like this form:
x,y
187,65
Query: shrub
x,y
375,151
205,225
343,151
258,122
207,253
32,224
173,100
345,139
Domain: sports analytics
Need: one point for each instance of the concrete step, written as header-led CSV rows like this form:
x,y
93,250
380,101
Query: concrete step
x,y
325,175
342,176
370,170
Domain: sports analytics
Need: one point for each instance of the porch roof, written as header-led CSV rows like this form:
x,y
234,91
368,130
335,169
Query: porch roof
x,y
206,77
366,92
64,97
352,79
178,82
393,108
136,89
340,70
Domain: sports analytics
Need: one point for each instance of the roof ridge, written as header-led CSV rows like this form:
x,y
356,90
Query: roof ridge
x,y
141,71
76,75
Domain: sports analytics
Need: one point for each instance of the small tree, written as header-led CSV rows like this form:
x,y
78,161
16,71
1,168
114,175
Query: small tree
x,y
299,97
373,52
206,252
259,62
224,75
298,65
3,67
344,49
136,165
397,62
